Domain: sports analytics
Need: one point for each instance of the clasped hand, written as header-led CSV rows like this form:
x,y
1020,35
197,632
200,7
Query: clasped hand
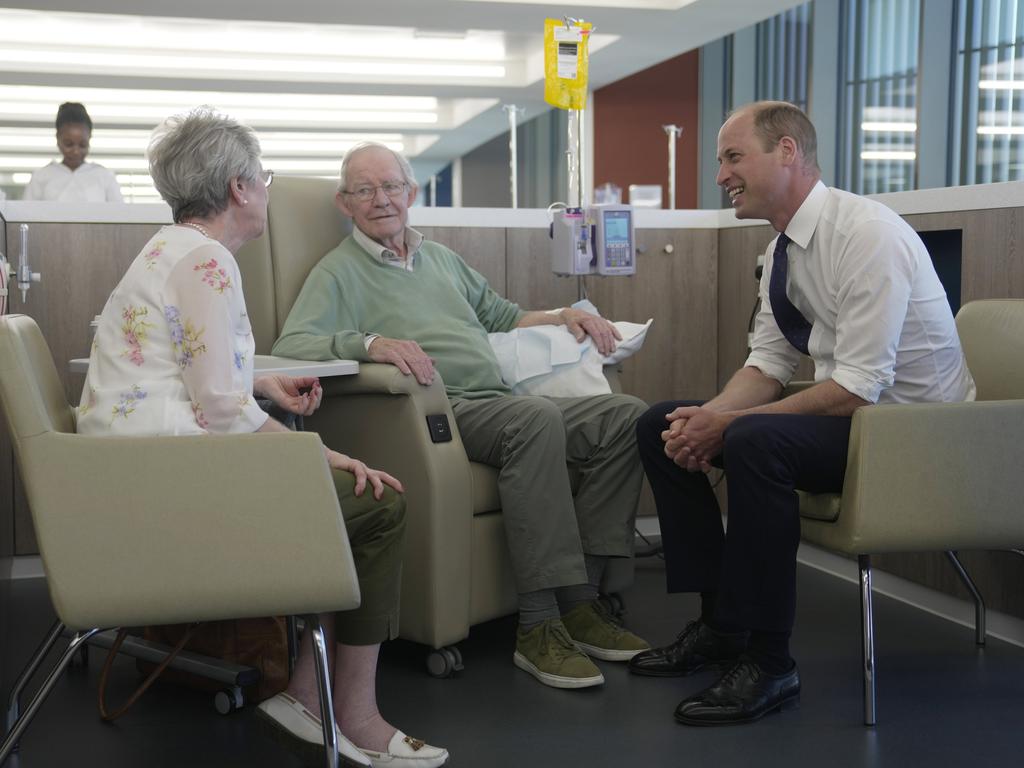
x,y
300,395
694,437
581,324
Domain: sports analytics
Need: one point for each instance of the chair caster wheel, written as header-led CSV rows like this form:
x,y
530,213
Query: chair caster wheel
x,y
229,700
444,662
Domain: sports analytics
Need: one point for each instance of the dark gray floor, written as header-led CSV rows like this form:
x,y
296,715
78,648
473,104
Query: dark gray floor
x,y
941,701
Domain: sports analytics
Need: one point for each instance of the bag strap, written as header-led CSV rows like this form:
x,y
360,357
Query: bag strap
x,y
108,717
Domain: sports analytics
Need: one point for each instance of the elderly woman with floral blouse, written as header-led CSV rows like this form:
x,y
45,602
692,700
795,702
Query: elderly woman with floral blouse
x,y
174,356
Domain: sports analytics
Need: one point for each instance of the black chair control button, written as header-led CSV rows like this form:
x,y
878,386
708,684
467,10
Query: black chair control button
x,y
440,430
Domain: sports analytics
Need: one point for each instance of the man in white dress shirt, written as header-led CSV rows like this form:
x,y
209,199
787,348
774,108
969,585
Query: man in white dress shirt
x,y
848,283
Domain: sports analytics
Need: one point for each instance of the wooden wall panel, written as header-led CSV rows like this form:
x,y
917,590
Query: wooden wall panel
x,y
80,265
739,248
993,254
678,288
482,248
531,284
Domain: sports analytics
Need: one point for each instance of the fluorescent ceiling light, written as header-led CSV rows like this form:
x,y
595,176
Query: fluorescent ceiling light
x,y
88,43
890,114
887,155
626,5
889,127
113,140
135,106
1001,85
1001,130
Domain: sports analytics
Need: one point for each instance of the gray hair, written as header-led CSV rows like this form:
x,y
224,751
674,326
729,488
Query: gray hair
x,y
194,157
362,146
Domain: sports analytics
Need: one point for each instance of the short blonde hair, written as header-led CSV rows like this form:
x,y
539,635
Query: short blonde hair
x,y
775,119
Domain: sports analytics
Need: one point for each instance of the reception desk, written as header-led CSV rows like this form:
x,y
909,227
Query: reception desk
x,y
695,277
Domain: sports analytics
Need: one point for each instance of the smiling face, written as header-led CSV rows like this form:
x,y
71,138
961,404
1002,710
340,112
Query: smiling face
x,y
73,143
382,218
755,179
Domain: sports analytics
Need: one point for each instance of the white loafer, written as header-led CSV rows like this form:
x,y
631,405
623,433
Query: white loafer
x,y
407,752
289,718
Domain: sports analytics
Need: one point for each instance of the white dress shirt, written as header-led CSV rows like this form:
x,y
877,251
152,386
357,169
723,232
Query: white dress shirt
x,y
89,183
882,326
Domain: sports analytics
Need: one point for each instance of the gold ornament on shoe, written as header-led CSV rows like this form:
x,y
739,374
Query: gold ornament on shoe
x,y
416,744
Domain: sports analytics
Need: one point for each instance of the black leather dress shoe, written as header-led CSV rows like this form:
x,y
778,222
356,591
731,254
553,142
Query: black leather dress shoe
x,y
697,647
744,694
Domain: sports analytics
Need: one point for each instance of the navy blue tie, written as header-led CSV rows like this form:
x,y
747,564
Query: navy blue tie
x,y
792,323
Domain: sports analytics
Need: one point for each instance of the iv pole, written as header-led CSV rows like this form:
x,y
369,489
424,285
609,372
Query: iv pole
x,y
513,151
673,131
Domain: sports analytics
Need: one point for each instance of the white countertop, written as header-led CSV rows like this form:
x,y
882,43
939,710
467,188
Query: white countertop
x,y
976,197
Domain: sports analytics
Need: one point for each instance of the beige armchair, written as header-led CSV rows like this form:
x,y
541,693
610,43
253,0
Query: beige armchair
x,y
167,530
456,571
934,477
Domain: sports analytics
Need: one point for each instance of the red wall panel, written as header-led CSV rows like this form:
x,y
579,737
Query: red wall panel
x,y
630,146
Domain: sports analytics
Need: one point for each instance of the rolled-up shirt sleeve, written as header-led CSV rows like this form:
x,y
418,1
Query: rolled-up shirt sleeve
x,y
211,337
874,276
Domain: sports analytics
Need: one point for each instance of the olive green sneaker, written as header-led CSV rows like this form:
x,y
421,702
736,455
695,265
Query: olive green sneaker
x,y
549,654
600,634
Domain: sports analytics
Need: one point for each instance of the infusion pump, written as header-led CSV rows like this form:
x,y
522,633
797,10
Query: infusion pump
x,y
599,239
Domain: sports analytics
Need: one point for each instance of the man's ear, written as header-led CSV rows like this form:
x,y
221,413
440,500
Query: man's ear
x,y
413,191
790,152
341,204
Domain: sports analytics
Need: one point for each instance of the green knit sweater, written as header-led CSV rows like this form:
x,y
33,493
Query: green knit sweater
x,y
443,305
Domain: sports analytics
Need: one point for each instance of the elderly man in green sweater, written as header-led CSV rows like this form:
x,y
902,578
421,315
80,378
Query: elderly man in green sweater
x,y
387,295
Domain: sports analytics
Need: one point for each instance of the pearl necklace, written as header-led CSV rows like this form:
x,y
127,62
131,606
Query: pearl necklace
x,y
198,227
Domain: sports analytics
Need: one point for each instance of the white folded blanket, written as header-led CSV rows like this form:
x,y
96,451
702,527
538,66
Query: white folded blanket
x,y
547,359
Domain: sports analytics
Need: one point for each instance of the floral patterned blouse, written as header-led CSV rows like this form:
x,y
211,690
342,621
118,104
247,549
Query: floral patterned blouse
x,y
173,351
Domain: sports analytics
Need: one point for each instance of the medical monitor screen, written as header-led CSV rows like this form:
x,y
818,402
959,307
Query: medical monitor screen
x,y
616,227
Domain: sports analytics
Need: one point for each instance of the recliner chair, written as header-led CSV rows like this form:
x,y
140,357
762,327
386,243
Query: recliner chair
x,y
456,571
934,476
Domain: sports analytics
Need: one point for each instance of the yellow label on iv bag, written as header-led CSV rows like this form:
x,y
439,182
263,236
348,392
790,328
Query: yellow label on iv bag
x,y
565,63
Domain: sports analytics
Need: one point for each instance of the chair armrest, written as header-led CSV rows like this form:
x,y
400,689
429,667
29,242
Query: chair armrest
x,y
796,386
204,527
928,477
379,416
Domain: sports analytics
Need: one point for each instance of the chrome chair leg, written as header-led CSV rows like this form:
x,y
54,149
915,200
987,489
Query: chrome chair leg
x,y
979,601
44,690
323,678
14,702
868,637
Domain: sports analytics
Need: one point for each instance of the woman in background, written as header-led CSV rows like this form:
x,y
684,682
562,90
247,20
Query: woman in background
x,y
73,180
173,355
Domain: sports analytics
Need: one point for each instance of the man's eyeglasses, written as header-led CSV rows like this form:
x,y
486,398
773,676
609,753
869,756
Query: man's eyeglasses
x,y
268,177
367,193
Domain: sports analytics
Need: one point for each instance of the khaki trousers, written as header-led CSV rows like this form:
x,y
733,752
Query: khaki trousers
x,y
537,444
375,533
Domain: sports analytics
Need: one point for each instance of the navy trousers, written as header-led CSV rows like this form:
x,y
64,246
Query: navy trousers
x,y
751,566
